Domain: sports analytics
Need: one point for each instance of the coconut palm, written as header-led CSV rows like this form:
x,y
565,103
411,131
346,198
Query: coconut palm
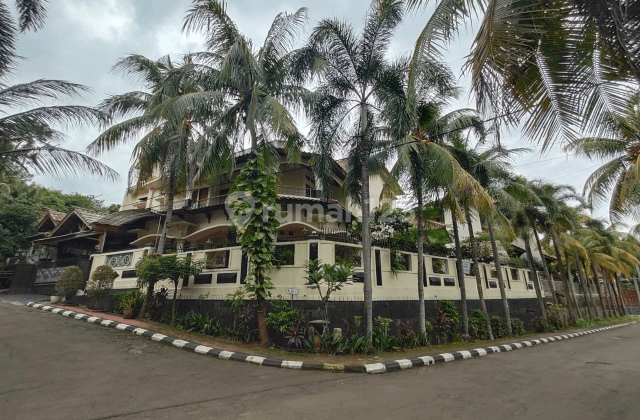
x,y
31,16
350,71
489,165
561,64
29,141
617,180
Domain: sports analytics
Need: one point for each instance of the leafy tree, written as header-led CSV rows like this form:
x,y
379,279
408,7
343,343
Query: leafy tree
x,y
331,278
255,217
101,282
17,221
70,281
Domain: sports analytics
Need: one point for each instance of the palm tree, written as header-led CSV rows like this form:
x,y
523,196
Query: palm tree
x,y
490,167
350,71
256,93
617,180
31,16
28,139
256,89
415,118
558,218
562,64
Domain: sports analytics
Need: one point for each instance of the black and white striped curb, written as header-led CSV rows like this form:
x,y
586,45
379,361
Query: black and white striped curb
x,y
197,348
479,352
390,366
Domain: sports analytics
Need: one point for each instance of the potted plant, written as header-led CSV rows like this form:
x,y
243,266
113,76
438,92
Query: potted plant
x,y
69,282
133,300
101,282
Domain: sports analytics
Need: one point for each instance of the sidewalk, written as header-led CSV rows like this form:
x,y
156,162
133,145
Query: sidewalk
x,y
24,299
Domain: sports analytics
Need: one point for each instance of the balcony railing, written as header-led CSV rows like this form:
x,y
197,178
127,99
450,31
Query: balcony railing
x,y
299,192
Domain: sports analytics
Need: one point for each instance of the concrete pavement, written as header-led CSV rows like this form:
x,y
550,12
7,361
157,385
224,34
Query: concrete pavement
x,y
54,367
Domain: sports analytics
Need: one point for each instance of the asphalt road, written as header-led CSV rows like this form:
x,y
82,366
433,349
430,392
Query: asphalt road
x,y
53,367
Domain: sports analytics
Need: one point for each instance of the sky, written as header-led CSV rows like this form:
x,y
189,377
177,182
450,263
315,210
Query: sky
x,y
84,38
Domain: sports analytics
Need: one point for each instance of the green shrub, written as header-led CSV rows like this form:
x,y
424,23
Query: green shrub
x,y
517,327
70,281
499,327
101,282
125,300
283,315
539,324
450,309
478,325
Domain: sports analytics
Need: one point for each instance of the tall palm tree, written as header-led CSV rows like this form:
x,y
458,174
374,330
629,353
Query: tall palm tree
x,y
257,91
489,165
350,71
415,119
558,218
616,181
562,64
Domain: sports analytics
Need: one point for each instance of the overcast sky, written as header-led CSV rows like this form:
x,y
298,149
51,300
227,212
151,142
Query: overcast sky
x,y
84,38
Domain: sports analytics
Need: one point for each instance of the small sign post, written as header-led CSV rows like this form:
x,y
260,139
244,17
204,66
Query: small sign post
x,y
293,292
466,267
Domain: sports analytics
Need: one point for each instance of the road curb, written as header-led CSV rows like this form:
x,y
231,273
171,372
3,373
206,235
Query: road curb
x,y
391,366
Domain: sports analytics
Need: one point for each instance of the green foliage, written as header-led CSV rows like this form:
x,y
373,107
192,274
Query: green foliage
x,y
478,325
450,309
382,340
256,221
17,221
101,281
283,315
125,300
539,324
70,281
499,327
517,327
156,305
199,323
328,278
282,255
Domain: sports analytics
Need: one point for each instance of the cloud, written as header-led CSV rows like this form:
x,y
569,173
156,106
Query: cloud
x,y
108,20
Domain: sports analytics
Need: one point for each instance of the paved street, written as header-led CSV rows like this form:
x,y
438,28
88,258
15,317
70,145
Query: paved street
x,y
58,368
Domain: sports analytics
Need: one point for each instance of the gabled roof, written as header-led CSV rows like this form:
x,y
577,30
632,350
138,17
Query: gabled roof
x,y
55,217
88,217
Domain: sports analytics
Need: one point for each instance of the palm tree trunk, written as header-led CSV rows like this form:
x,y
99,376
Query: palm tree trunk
x,y
168,216
474,254
583,286
536,283
420,227
635,284
612,296
599,289
563,275
174,304
552,285
572,293
619,290
503,291
366,241
460,273
592,301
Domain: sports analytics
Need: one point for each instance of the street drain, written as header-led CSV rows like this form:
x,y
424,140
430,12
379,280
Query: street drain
x,y
600,363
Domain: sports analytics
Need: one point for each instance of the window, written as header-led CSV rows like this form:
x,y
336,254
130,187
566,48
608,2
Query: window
x,y
515,274
449,281
493,273
435,281
439,266
227,277
493,285
400,261
348,254
284,255
202,279
218,259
